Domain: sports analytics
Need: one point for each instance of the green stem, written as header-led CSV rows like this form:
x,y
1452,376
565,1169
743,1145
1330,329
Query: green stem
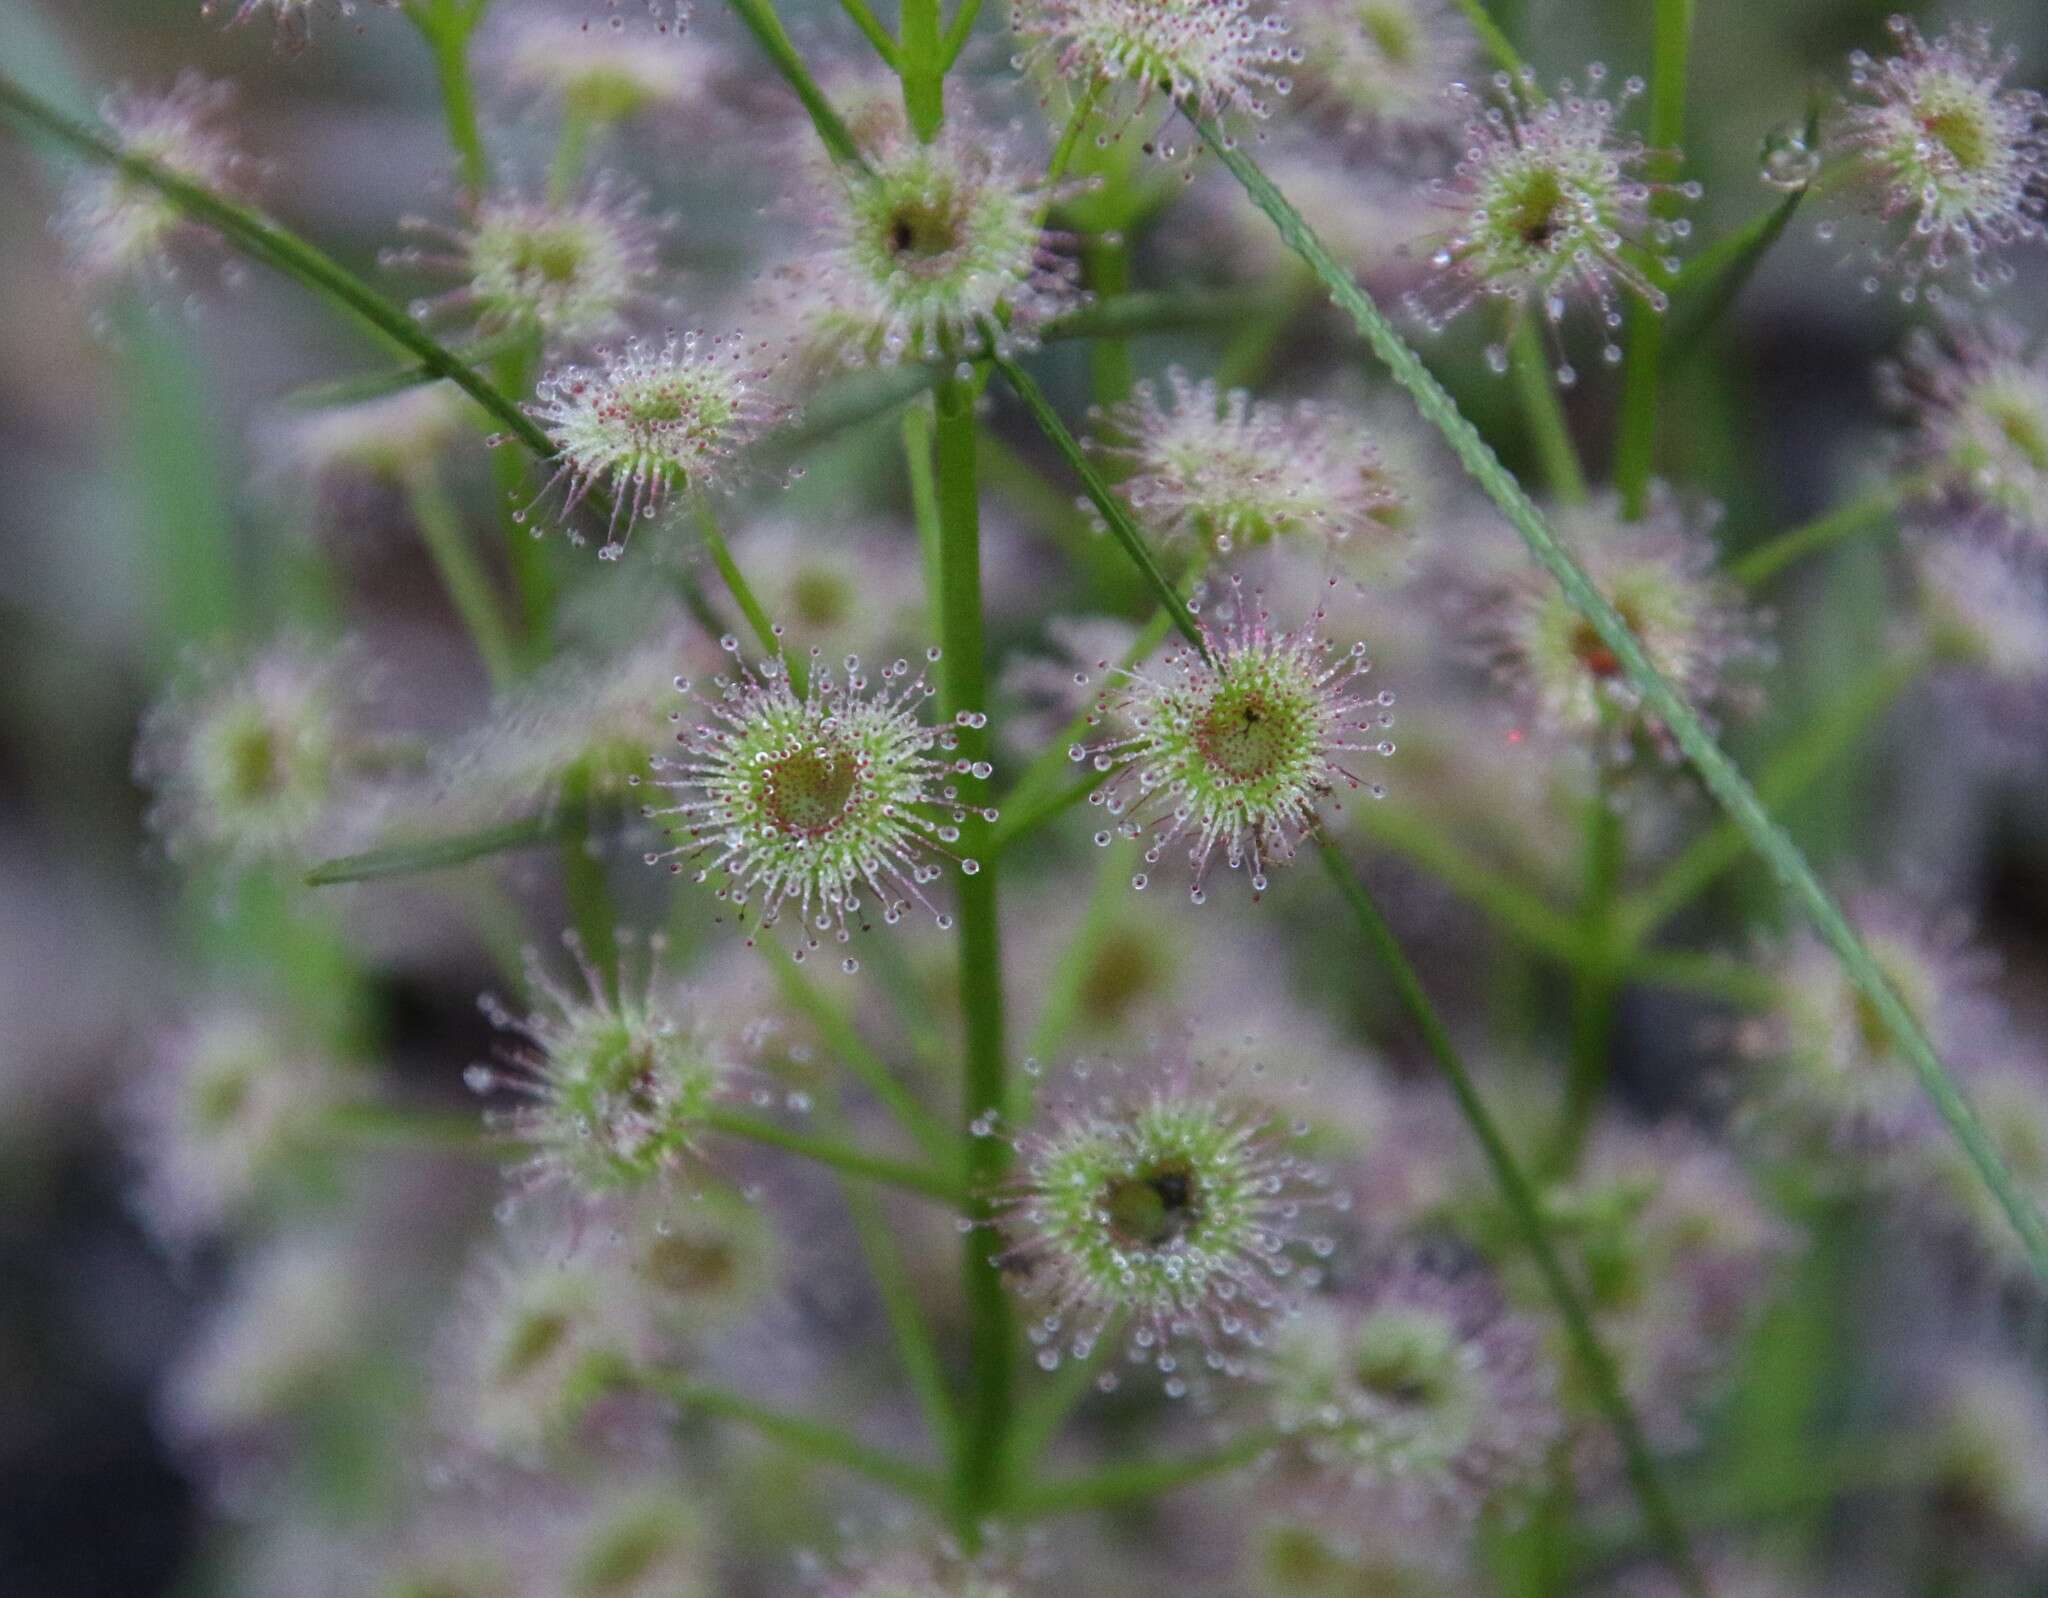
x,y
283,250
839,1036
1025,804
963,688
1143,1479
1845,1470
408,1127
1516,910
566,169
922,64
924,505
462,573
1489,35
1250,353
1166,311
587,884
915,1348
1020,822
872,30
438,854
1121,527
1516,1190
447,29
1871,513
375,385
1106,270
1526,1211
1054,1399
1033,799
1641,385
1713,976
1709,283
811,1439
1595,981
1498,44
957,31
514,370
1727,784
1070,136
760,20
1543,408
1070,973
842,1156
751,608
1048,509
1829,734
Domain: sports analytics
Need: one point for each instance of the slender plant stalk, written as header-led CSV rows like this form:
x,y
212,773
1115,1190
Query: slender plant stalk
x,y
1121,527
1070,136
1407,831
1642,377
924,504
1596,981
1106,269
872,30
1526,1212
1161,311
1052,1401
841,1037
1020,824
1709,283
742,592
1834,729
1034,798
447,28
915,1348
980,1485
514,370
278,247
847,1158
1713,976
1871,513
799,1434
760,20
439,854
375,385
1549,429
1026,804
410,1127
1727,784
1070,973
587,884
922,65
462,573
964,688
565,170
1142,1479
1497,44
958,29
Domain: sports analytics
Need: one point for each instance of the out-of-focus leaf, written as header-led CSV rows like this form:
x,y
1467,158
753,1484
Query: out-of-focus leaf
x,y
437,854
375,385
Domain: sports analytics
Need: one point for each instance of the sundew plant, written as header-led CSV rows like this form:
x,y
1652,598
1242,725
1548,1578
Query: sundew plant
x,y
1213,796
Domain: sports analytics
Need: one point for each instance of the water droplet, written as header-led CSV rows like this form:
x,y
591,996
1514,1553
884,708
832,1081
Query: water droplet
x,y
1787,162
